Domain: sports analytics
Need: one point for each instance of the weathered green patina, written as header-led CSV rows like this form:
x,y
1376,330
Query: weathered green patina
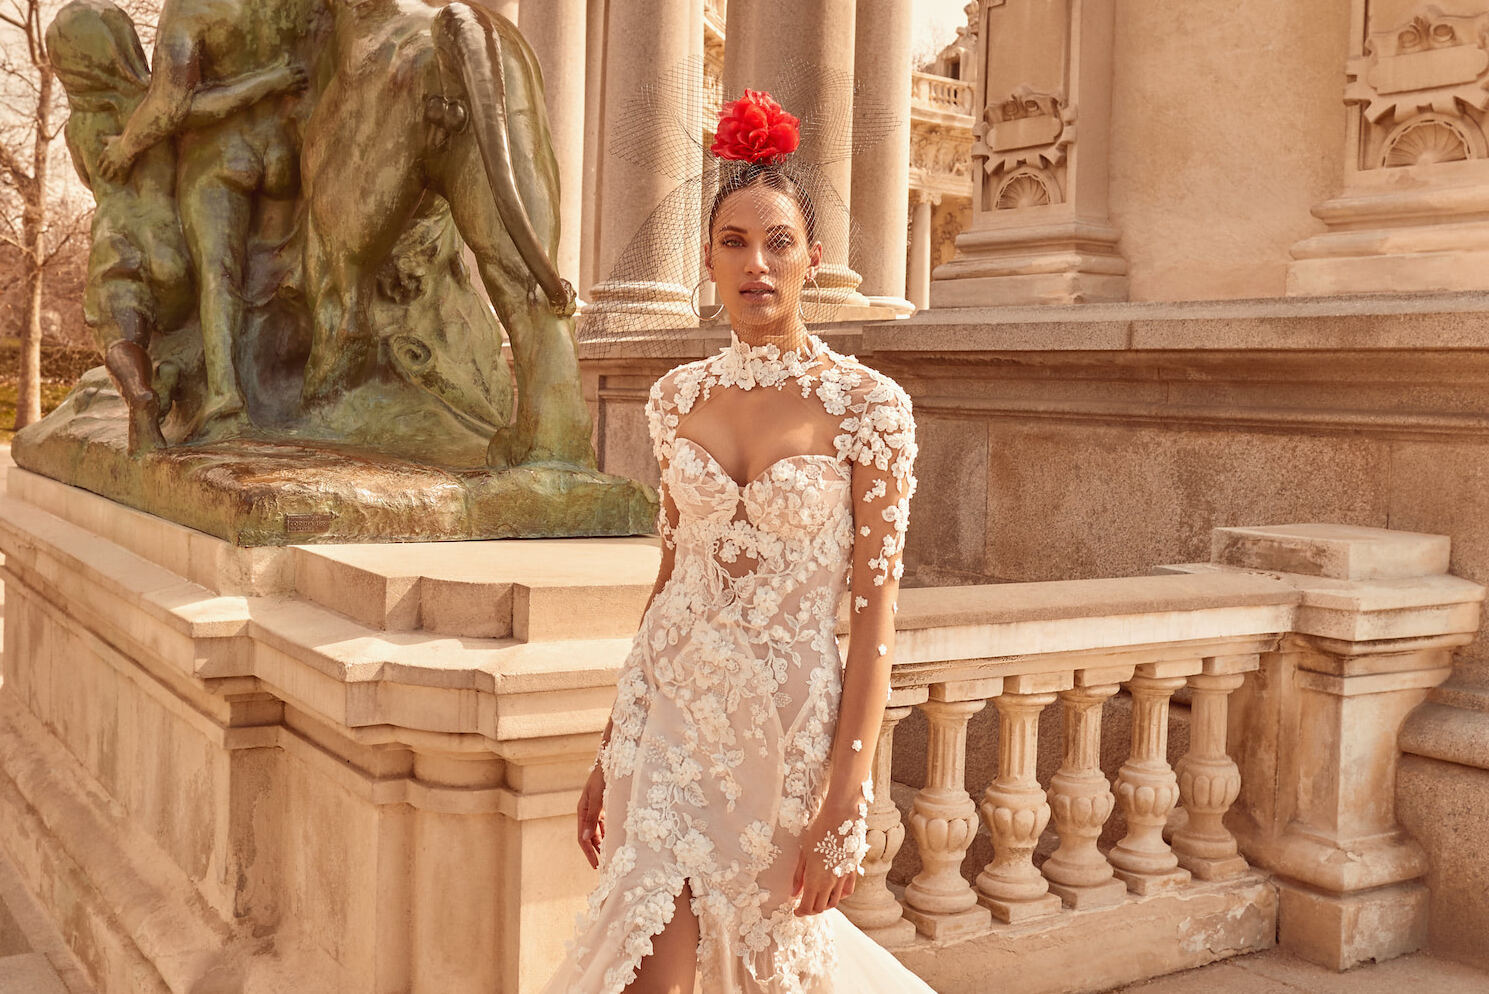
x,y
278,277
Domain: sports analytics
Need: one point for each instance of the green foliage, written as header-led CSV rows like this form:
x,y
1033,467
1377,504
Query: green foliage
x,y
51,395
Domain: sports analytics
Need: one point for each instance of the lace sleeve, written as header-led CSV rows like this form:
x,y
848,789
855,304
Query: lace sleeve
x,y
883,453
661,423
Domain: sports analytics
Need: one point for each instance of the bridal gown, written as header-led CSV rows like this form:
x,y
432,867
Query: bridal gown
x,y
728,700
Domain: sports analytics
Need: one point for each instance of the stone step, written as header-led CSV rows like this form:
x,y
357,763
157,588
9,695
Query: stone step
x,y
29,973
533,590
538,590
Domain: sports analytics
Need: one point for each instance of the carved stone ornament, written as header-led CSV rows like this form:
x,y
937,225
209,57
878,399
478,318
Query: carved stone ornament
x,y
1027,187
938,152
1420,86
1026,128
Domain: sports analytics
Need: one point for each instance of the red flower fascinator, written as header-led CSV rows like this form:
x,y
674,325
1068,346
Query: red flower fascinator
x,y
754,128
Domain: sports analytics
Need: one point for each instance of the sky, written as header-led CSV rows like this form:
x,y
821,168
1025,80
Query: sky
x,y
936,22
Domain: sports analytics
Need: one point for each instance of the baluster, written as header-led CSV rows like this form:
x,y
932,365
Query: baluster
x,y
872,906
1014,807
1147,788
943,820
1209,780
1080,798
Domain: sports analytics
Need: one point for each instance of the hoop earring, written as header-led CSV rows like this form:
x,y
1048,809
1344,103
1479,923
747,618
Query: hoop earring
x,y
800,308
693,305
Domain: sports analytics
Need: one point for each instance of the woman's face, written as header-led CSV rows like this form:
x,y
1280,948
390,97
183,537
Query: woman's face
x,y
760,258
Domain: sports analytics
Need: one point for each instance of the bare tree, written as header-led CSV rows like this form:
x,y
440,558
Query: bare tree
x,y
25,165
41,215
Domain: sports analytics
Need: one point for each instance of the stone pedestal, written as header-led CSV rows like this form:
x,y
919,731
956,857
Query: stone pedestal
x,y
1416,179
1040,230
1374,632
331,768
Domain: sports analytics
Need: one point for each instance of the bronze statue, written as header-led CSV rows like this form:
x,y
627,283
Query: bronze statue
x,y
239,174
285,204
445,101
139,275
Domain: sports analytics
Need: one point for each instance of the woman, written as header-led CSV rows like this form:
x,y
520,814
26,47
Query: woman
x,y
726,808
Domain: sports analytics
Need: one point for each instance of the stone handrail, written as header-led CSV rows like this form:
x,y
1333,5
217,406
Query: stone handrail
x,y
940,93
1345,650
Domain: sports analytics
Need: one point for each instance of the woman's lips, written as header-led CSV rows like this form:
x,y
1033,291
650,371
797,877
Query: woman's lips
x,y
757,290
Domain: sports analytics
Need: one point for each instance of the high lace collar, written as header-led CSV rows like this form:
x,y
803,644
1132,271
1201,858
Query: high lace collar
x,y
743,365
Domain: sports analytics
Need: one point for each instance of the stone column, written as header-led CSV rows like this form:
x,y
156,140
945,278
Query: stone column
x,y
872,906
1014,808
645,39
939,900
1081,800
1209,780
557,31
1040,230
881,172
594,135
802,53
920,249
1147,787
1378,622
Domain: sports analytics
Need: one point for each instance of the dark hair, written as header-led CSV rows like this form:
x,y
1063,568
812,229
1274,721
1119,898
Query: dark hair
x,y
765,174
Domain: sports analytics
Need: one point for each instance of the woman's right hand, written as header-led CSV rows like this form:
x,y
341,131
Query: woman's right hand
x,y
592,816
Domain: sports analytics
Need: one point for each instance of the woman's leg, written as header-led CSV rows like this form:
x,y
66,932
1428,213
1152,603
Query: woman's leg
x,y
673,962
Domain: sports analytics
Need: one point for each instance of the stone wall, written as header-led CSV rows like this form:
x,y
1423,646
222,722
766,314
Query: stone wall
x,y
1228,126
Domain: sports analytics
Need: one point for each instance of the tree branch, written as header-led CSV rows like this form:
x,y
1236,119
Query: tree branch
x,y
9,164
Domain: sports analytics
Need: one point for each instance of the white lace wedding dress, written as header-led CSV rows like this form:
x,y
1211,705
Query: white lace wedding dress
x,y
728,701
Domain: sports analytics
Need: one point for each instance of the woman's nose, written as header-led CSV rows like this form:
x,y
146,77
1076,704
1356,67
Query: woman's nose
x,y
755,262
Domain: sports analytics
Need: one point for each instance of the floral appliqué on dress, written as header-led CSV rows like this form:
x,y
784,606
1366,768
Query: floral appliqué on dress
x,y
728,701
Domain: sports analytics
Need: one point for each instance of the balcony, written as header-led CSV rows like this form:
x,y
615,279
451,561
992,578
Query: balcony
x,y
940,99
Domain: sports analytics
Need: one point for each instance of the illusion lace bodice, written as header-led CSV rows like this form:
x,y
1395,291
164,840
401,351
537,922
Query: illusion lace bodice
x,y
728,702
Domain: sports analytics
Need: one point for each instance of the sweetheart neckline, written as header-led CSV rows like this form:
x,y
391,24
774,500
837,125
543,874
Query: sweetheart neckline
x,y
758,476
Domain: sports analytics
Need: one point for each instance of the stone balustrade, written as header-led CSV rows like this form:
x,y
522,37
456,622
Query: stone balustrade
x,y
940,94
355,768
1300,679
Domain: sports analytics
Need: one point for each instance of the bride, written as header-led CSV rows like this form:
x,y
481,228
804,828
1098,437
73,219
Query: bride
x,y
726,808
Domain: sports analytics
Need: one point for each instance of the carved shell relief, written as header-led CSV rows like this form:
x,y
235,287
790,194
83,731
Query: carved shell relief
x,y
1026,187
1421,88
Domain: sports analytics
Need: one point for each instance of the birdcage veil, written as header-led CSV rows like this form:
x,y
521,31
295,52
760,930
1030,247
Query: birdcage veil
x,y
651,292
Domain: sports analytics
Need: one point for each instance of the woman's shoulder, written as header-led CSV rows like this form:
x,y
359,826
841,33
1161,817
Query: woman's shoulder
x,y
680,383
865,384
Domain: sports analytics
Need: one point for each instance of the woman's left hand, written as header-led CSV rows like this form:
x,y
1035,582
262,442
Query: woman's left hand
x,y
814,883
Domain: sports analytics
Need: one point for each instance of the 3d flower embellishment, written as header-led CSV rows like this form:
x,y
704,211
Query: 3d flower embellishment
x,y
754,128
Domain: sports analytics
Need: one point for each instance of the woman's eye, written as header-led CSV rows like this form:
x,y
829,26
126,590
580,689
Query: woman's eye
x,y
781,242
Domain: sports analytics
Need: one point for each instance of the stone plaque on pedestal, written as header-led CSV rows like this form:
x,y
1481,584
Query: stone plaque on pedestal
x,y
1040,232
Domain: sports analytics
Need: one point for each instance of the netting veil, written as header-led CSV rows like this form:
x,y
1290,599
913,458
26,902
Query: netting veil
x,y
642,307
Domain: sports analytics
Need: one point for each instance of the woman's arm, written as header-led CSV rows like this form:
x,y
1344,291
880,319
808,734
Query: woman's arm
x,y
666,521
591,826
883,482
